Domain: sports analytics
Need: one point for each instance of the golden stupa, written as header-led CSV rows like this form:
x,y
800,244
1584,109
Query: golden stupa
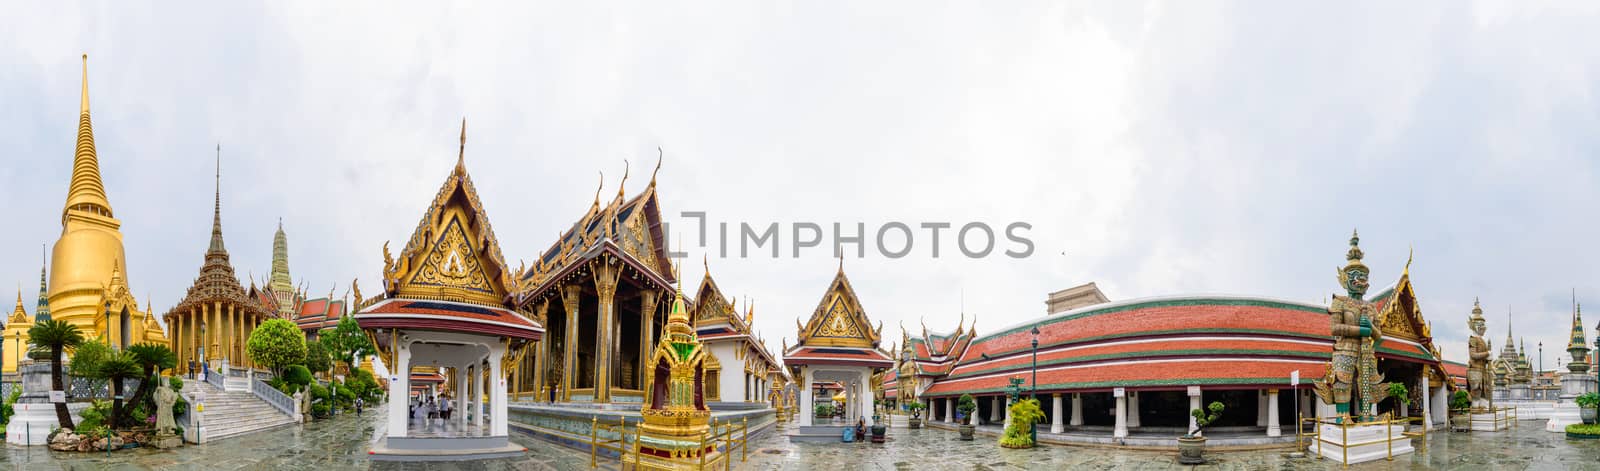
x,y
88,270
674,432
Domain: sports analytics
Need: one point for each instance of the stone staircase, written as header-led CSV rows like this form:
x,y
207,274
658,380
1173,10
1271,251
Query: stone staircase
x,y
234,413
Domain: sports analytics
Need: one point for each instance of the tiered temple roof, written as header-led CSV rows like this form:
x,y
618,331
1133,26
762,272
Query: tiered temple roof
x,y
839,332
630,229
217,281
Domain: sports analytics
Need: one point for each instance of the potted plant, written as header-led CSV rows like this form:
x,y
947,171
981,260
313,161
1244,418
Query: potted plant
x,y
916,407
964,409
877,411
1461,411
1586,406
1401,396
1019,434
1191,447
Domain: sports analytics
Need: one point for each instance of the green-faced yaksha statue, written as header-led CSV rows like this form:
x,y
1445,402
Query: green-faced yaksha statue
x,y
1351,382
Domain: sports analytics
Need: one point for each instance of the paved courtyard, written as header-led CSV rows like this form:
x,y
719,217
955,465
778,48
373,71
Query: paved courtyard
x,y
342,443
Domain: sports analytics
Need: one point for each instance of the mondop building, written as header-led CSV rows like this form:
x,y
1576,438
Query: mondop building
x,y
1129,371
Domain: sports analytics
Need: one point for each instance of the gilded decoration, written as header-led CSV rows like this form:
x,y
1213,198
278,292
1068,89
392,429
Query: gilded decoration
x,y
451,263
839,320
839,323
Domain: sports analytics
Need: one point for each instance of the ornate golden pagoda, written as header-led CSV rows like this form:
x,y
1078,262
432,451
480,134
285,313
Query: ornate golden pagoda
x,y
88,273
674,432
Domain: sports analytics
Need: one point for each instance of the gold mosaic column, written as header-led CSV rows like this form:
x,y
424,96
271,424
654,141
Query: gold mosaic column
x,y
541,351
605,283
569,347
647,318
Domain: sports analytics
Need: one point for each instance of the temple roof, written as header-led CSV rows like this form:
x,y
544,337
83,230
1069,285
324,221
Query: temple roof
x,y
450,276
632,226
839,319
217,281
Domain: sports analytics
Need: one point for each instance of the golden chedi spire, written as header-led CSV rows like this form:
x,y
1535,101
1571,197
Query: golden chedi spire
x,y
86,265
86,193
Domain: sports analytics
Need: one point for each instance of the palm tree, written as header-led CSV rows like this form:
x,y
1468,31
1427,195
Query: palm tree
x,y
153,358
56,336
117,368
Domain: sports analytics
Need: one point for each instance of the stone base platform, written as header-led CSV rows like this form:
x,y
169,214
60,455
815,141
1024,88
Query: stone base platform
x,y
1566,414
1499,419
1531,410
570,424
444,448
1361,443
33,421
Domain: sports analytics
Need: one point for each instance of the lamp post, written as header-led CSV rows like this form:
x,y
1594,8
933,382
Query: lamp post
x,y
108,322
1034,390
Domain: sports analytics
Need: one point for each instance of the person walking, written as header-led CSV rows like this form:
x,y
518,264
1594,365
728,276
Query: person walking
x,y
359,403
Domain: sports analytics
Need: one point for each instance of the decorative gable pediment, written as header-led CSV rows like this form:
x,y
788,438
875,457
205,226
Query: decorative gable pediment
x,y
452,255
839,319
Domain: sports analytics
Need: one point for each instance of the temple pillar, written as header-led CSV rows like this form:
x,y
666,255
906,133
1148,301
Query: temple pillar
x,y
1077,409
950,410
1056,424
994,412
647,319
215,331
864,391
605,283
400,391
541,351
477,396
1194,403
498,412
1006,410
569,349
1261,409
177,341
459,379
807,409
1273,427
1120,430
1133,409
1427,413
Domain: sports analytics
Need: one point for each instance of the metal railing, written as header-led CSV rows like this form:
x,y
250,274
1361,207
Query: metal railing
x,y
1344,423
724,436
273,396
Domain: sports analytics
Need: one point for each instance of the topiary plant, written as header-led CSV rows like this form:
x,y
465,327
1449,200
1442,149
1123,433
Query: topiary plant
x,y
1024,413
1205,417
1460,400
966,405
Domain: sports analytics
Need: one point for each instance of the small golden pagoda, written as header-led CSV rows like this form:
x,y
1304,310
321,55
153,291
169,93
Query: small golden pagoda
x,y
674,433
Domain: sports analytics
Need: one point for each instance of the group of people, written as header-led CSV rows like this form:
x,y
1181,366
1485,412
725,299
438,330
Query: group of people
x,y
425,408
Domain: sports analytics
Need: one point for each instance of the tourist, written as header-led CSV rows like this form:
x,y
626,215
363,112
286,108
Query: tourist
x,y
861,429
444,412
359,403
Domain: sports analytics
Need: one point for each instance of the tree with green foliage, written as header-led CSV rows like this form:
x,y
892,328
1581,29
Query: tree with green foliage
x,y
86,360
346,342
56,336
1019,433
152,358
1205,417
966,405
317,359
276,344
118,367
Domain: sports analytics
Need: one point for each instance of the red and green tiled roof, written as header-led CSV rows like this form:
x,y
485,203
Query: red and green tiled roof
x,y
449,317
846,356
1160,343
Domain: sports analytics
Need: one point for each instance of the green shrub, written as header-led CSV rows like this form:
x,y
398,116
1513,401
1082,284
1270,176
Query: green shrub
x,y
824,410
1584,429
319,410
1460,400
1588,400
1024,413
9,408
297,375
175,383
966,405
180,407
95,415
1202,418
1399,393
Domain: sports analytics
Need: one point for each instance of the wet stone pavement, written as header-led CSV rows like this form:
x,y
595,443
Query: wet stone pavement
x,y
342,443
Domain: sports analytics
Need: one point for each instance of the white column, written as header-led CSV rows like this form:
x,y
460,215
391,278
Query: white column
x,y
1056,424
1194,403
477,396
866,397
950,410
1121,429
1427,413
1133,409
807,410
461,398
1007,409
497,399
1261,409
1077,409
994,412
399,391
1273,427
1440,397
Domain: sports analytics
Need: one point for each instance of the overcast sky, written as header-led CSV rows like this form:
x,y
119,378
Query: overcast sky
x,y
1156,148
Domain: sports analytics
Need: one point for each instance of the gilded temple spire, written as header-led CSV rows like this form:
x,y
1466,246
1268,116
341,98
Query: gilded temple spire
x,y
42,311
86,192
461,153
216,211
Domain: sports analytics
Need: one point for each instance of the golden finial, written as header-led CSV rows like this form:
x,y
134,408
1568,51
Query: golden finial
x,y
597,189
623,185
461,155
83,104
659,156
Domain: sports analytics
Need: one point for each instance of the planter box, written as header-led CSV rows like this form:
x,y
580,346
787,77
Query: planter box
x,y
1191,450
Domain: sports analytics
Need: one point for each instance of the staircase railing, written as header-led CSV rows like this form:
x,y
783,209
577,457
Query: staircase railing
x,y
273,396
215,378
